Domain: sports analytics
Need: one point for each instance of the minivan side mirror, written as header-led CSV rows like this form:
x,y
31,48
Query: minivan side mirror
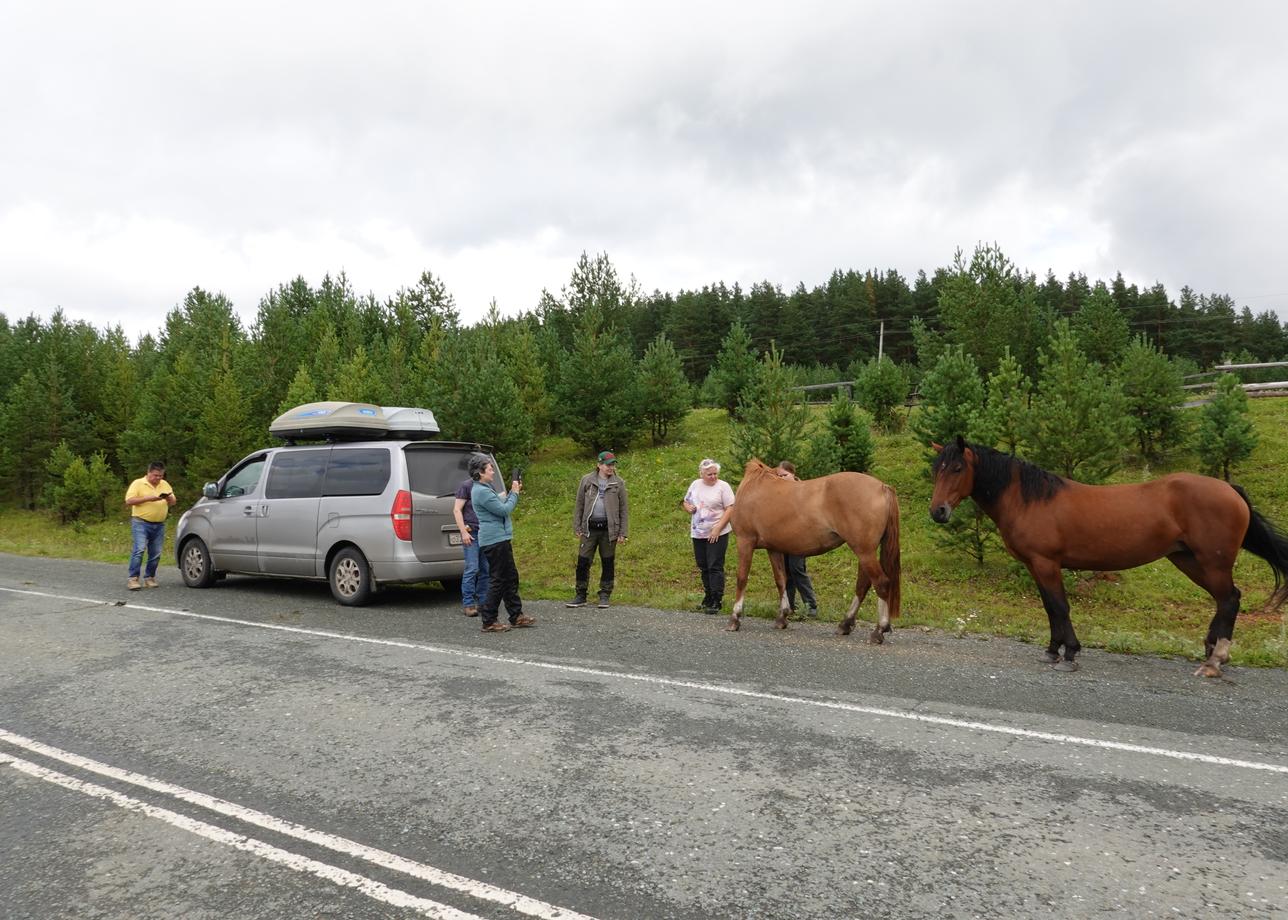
x,y
210,490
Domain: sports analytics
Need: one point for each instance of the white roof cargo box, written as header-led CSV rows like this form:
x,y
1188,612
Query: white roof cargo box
x,y
410,423
321,420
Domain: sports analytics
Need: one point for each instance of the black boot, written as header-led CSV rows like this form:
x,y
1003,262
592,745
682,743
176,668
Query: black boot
x,y
583,582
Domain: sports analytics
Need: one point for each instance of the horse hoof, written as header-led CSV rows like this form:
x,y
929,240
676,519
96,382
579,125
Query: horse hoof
x,y
780,624
1050,657
877,638
844,630
1066,666
733,625
1207,670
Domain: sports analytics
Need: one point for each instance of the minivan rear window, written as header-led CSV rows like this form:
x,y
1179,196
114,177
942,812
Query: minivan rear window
x,y
436,472
360,471
296,474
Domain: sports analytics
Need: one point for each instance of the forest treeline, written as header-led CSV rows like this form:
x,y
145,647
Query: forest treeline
x,y
600,361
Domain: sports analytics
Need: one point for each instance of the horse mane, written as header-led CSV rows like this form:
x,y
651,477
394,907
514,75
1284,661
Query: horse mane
x,y
755,467
994,470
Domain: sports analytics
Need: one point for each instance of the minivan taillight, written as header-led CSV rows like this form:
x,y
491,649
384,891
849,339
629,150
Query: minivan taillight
x,y
400,514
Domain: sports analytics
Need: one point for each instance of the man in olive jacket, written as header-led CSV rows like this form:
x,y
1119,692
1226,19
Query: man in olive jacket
x,y
600,520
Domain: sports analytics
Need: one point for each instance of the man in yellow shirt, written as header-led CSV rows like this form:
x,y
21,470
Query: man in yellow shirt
x,y
149,499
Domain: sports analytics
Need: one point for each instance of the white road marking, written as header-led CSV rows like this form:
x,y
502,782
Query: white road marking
x,y
946,721
341,877
482,890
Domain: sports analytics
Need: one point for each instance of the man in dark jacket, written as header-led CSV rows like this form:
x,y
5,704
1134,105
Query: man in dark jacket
x,y
599,520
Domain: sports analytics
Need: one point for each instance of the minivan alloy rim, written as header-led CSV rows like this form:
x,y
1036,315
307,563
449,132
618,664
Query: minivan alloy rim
x,y
347,577
192,562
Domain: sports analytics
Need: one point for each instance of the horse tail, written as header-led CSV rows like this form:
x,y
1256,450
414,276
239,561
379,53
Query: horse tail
x,y
890,548
1264,539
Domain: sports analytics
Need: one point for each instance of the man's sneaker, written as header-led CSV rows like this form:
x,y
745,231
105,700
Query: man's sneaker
x,y
603,602
578,601
813,613
150,583
133,584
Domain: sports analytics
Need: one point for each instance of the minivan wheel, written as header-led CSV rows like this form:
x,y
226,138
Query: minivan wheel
x,y
194,564
350,578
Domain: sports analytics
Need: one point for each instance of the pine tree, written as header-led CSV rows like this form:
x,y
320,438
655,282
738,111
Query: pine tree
x,y
844,442
1225,434
1079,423
951,396
357,381
1101,328
880,387
664,392
735,370
597,396
1005,413
300,392
1152,387
772,416
223,434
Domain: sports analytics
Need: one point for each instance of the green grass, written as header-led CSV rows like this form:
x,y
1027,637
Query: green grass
x,y
1151,610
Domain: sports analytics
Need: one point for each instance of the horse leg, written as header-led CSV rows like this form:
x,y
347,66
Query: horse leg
x,y
1218,582
779,565
746,549
1051,588
870,566
861,585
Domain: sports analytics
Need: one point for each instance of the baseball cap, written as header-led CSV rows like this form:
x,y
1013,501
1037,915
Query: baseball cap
x,y
607,456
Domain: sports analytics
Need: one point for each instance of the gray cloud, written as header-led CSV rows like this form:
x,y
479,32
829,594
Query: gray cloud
x,y
155,148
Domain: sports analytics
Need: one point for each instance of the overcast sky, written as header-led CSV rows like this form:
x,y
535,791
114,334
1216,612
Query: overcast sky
x,y
153,147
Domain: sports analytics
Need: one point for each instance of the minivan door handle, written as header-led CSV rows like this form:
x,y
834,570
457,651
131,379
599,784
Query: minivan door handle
x,y
249,511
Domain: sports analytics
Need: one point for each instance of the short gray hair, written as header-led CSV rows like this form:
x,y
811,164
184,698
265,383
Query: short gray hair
x,y
478,463
708,464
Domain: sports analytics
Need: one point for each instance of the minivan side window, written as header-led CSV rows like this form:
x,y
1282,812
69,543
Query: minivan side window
x,y
438,472
360,471
296,474
245,480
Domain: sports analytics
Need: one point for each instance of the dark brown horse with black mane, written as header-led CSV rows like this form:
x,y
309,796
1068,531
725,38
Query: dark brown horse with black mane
x,y
812,516
1051,523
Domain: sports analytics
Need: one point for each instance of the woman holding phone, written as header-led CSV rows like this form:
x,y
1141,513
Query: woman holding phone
x,y
495,535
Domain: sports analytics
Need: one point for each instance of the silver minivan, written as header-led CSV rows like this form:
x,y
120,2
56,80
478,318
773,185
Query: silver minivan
x,y
357,513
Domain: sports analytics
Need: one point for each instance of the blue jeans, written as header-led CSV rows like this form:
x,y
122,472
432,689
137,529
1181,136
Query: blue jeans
x,y
475,580
150,535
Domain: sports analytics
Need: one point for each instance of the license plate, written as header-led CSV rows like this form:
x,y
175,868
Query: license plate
x,y
454,539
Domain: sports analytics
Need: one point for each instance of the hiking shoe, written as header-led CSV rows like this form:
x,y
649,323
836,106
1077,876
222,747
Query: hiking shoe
x,y
578,601
711,611
133,584
523,621
471,611
495,627
150,583
813,613
603,602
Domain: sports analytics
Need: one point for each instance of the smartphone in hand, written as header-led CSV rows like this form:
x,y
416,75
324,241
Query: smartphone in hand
x,y
516,475
163,495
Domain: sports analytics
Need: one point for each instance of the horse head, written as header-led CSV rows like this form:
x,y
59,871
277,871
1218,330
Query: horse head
x,y
954,473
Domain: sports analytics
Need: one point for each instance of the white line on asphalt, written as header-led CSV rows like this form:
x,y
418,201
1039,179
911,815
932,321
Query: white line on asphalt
x,y
341,877
945,721
482,890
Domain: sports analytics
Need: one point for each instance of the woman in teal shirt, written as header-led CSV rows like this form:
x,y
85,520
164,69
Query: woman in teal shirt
x,y
495,535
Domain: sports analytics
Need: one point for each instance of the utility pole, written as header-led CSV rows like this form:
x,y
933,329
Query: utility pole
x,y
881,342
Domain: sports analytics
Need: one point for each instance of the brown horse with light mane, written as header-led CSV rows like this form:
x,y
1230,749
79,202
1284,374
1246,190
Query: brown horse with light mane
x,y
812,516
1051,523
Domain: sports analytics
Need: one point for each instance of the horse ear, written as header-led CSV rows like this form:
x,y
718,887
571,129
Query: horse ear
x,y
961,443
937,448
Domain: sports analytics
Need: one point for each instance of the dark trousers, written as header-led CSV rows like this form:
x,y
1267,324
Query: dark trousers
x,y
710,558
597,539
798,580
503,586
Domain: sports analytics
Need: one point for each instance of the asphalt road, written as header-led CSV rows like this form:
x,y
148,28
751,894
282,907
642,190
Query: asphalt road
x,y
253,750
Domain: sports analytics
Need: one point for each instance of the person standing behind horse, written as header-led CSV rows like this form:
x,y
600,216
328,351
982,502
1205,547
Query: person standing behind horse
x,y
599,520
797,577
709,502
